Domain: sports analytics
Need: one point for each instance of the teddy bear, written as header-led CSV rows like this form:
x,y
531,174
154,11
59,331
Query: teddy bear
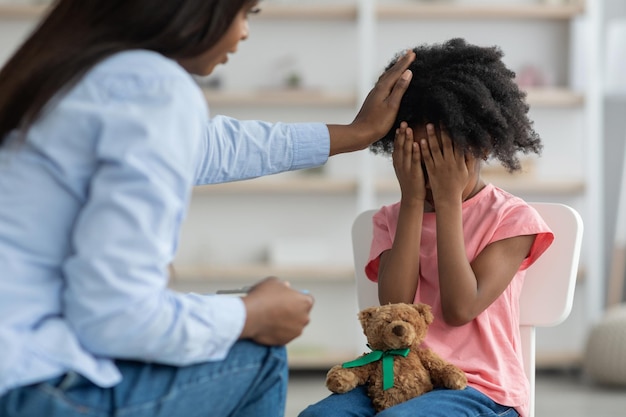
x,y
398,368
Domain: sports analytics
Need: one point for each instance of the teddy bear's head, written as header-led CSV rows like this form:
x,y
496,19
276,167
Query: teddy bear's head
x,y
395,326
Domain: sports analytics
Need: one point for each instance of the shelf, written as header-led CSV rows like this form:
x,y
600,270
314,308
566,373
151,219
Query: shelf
x,y
536,97
479,11
554,97
309,11
521,184
515,185
524,185
316,358
300,185
269,11
329,11
15,11
277,97
255,272
558,360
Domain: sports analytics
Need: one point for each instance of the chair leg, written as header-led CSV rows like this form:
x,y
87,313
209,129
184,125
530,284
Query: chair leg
x,y
528,349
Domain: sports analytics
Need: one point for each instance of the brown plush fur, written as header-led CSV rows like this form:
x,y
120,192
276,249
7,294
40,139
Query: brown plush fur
x,y
397,326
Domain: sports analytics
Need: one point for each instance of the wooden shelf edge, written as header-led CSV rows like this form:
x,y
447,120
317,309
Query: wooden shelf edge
x,y
329,11
319,186
479,11
301,185
280,97
316,358
21,11
198,273
310,11
554,97
519,185
527,185
557,359
536,97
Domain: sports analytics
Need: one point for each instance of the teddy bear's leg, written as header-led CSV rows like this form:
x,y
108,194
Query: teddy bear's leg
x,y
442,373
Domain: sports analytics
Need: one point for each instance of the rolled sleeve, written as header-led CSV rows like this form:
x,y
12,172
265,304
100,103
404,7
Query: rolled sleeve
x,y
237,150
311,144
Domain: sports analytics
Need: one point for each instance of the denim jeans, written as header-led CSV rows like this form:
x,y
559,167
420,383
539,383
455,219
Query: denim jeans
x,y
251,381
437,403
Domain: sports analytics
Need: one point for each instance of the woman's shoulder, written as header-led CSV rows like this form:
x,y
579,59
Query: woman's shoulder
x,y
138,61
140,74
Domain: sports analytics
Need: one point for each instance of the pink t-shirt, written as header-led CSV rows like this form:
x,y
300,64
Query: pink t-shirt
x,y
488,348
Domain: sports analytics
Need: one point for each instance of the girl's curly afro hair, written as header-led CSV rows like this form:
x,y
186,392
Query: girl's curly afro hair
x,y
472,94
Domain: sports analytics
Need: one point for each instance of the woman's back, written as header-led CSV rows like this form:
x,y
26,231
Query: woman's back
x,y
49,188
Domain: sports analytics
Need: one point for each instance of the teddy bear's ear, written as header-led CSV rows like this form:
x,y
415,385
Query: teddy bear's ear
x,y
366,314
425,311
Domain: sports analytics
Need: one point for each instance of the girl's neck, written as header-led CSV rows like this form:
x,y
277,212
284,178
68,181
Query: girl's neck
x,y
480,184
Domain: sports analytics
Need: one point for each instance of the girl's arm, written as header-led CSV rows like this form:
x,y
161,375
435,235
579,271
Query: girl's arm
x,y
466,289
398,274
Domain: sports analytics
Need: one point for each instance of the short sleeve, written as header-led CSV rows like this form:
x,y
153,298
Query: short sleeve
x,y
522,220
382,240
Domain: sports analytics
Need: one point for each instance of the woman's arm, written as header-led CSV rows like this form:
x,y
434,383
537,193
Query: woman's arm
x,y
235,150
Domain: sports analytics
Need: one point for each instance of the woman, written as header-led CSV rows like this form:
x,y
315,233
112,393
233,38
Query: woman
x,y
103,133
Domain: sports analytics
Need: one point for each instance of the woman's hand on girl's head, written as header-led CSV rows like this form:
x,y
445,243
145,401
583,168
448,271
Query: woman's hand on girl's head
x,y
380,108
446,166
407,163
378,112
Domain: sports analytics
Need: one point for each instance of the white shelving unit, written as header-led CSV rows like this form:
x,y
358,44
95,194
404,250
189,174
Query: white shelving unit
x,y
338,49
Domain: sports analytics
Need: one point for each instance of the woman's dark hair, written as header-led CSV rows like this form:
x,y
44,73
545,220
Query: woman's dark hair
x,y
473,95
77,34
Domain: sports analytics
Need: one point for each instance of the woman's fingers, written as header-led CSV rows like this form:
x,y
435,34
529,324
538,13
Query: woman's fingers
x,y
396,79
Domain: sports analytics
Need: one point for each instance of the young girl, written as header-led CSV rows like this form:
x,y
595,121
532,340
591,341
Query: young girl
x,y
454,241
103,133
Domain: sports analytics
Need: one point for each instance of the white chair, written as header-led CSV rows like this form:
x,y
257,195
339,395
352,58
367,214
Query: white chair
x,y
548,291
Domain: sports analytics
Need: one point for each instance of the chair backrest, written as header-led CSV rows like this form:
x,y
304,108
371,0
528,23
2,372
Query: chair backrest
x,y
548,291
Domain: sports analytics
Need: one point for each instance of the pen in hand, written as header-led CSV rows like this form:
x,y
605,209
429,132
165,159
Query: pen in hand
x,y
244,290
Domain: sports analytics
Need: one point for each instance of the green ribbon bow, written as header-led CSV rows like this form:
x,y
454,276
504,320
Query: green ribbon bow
x,y
386,356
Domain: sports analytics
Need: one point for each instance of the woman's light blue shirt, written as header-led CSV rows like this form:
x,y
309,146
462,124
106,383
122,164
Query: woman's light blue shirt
x,y
91,205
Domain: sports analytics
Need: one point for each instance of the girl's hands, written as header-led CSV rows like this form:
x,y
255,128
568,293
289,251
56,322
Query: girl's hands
x,y
447,168
407,163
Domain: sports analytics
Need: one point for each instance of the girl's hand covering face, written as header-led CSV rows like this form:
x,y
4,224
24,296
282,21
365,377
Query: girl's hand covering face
x,y
447,168
407,163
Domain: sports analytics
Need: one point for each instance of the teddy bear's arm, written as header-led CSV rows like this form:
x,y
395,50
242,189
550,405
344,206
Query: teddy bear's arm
x,y
442,373
341,380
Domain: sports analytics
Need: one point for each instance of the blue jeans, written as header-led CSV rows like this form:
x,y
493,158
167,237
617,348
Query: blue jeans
x,y
437,403
251,381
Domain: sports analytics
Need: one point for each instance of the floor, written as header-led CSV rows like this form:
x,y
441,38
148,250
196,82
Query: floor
x,y
559,393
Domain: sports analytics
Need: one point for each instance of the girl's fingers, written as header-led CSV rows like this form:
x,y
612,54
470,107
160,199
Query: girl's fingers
x,y
416,162
428,145
433,141
398,145
400,139
408,146
446,142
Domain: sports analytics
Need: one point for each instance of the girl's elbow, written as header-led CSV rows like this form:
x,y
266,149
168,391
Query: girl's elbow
x,y
456,317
